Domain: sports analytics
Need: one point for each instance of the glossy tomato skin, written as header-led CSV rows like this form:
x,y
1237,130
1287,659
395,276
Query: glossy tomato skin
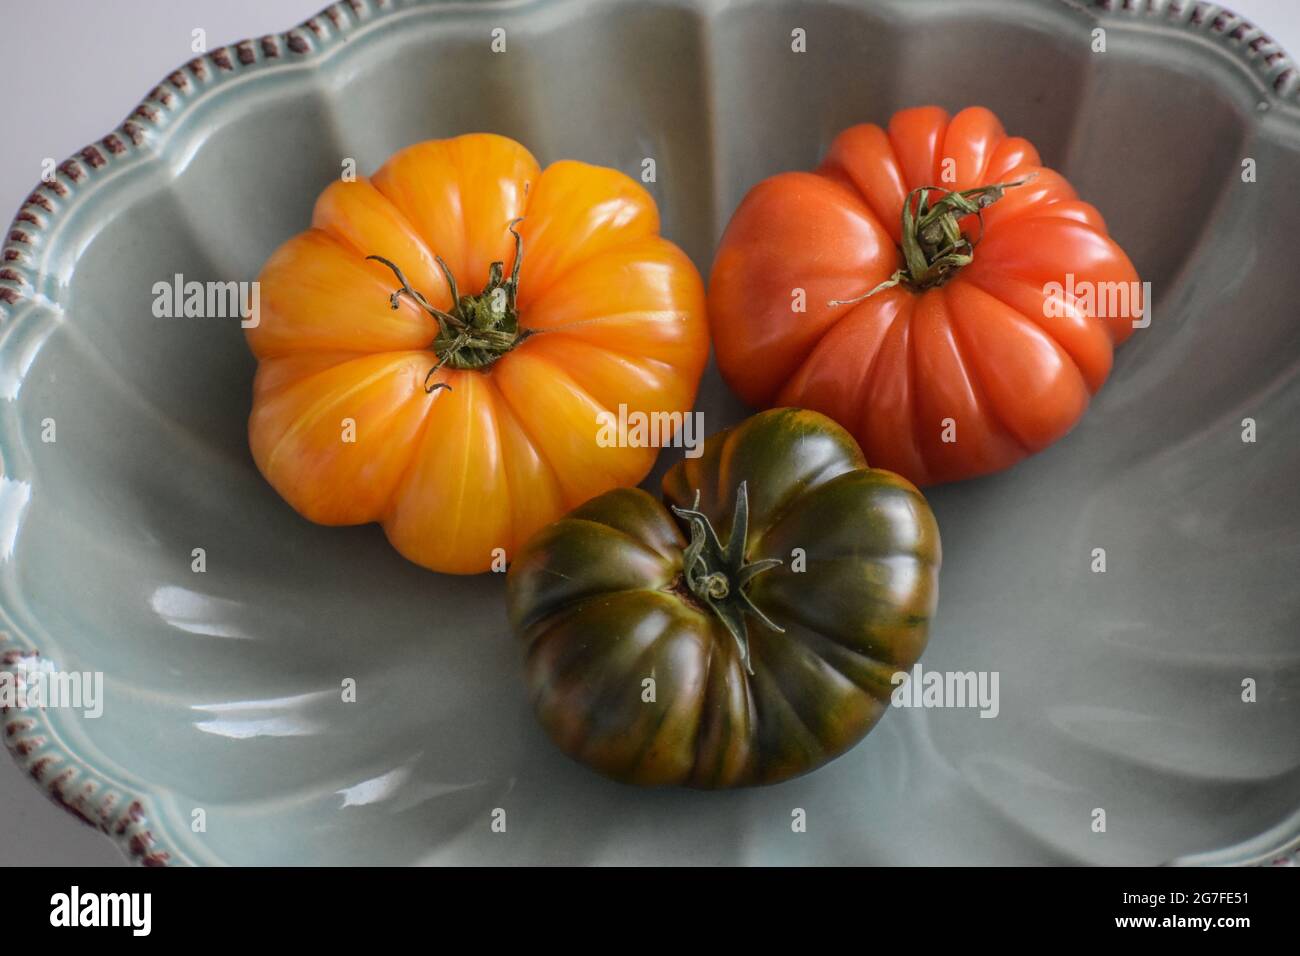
x,y
612,314
599,602
1000,351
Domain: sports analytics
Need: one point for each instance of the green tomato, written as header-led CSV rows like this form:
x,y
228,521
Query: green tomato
x,y
746,633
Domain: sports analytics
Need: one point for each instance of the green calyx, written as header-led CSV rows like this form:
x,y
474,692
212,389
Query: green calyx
x,y
933,245
717,575
477,329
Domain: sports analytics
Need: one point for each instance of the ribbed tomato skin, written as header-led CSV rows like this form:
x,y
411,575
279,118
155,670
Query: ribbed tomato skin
x,y
599,603
945,383
460,475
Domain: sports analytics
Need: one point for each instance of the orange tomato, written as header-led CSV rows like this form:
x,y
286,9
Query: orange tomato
x,y
948,346
463,425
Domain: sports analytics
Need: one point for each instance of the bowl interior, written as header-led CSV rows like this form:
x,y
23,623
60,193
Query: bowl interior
x,y
1120,691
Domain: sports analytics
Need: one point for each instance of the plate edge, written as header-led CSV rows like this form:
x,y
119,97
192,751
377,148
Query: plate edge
x,y
190,82
69,781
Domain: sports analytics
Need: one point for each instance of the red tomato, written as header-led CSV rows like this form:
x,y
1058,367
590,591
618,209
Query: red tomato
x,y
932,287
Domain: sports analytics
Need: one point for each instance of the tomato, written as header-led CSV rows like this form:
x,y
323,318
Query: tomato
x,y
749,639
932,287
419,370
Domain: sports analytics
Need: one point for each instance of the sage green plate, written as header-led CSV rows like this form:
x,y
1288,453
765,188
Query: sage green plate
x,y
1120,691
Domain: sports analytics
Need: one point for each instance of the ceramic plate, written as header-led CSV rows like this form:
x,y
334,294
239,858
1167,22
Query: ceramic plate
x,y
1121,691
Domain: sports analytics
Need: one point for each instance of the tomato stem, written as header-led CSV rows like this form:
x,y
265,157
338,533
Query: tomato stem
x,y
717,574
933,246
477,329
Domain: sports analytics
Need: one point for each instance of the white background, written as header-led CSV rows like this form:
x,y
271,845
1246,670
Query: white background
x,y
73,69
